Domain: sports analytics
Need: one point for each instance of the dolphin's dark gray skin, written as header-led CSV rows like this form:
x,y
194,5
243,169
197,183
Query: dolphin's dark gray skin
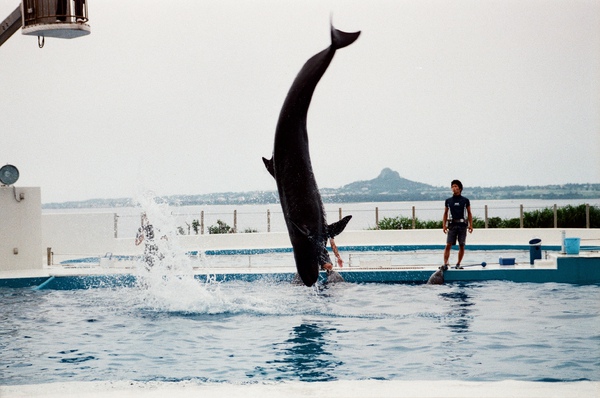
x,y
438,276
292,169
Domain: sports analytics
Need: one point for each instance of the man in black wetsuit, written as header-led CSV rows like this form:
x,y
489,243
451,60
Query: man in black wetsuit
x,y
457,224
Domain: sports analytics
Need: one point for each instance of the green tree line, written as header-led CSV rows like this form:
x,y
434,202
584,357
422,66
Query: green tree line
x,y
567,217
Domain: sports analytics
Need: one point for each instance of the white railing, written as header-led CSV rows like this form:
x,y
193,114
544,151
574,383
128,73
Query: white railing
x,y
260,219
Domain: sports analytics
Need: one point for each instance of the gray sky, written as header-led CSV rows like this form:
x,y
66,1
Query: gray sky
x,y
183,97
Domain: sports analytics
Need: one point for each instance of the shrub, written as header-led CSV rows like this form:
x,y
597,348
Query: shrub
x,y
393,223
196,226
429,224
400,222
220,228
567,217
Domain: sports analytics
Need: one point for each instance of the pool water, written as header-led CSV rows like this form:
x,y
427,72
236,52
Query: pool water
x,y
178,328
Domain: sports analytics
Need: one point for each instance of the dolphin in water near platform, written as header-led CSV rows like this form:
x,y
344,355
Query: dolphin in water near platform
x,y
292,169
438,276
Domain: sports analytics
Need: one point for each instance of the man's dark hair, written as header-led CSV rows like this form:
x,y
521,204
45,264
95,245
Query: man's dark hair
x,y
457,182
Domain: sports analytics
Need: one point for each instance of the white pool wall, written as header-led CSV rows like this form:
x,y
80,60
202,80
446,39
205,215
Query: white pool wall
x,y
81,235
20,227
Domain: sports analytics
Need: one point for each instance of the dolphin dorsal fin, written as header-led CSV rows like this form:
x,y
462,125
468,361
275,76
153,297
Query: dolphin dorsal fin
x,y
337,227
269,166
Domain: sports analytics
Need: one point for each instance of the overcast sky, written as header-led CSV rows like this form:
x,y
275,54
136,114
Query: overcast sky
x,y
182,97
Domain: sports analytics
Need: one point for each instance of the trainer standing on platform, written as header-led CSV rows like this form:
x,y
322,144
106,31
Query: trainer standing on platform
x,y
457,224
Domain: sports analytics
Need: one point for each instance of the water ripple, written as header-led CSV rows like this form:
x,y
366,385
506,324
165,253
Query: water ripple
x,y
241,332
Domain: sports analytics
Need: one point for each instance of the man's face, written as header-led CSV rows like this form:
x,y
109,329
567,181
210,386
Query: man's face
x,y
455,189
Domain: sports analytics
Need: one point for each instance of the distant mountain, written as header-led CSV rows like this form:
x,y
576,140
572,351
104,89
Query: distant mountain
x,y
388,181
388,186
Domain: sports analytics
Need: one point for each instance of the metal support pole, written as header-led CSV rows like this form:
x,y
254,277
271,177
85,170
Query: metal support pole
x,y
376,217
521,215
10,25
202,222
235,221
555,216
587,215
486,216
116,224
268,220
340,213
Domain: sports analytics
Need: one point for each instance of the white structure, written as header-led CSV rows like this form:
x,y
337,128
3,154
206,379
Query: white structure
x,y
27,236
20,228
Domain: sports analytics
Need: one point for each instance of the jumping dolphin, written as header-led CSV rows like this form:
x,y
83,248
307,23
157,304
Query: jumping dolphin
x,y
291,167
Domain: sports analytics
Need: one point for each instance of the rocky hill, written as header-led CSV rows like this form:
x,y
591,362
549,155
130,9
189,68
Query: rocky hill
x,y
388,186
388,181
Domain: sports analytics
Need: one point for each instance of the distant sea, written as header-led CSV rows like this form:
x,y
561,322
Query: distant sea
x,y
255,218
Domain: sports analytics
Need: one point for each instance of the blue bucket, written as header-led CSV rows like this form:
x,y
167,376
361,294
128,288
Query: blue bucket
x,y
572,245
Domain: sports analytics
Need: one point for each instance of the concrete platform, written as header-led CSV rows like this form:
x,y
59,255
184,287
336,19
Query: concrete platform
x,y
335,389
576,269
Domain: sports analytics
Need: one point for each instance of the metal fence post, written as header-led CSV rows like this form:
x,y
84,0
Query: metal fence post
x,y
116,225
555,216
414,220
521,215
235,221
486,216
202,222
376,217
587,215
340,212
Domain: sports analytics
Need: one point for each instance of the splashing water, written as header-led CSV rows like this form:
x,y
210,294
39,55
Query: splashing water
x,y
166,275
169,285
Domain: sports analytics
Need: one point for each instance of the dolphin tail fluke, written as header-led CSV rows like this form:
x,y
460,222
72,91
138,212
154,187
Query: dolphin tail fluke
x,y
269,166
341,39
337,228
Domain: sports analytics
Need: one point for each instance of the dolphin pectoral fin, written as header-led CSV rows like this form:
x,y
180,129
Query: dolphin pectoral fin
x,y
341,39
303,231
269,166
336,228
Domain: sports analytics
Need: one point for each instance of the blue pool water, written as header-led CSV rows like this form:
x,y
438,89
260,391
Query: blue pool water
x,y
181,329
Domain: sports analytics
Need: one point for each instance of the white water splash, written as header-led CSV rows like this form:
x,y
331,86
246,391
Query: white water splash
x,y
169,283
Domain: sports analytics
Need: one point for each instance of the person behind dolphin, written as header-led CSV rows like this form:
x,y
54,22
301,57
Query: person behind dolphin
x,y
326,260
456,226
336,252
146,234
332,276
